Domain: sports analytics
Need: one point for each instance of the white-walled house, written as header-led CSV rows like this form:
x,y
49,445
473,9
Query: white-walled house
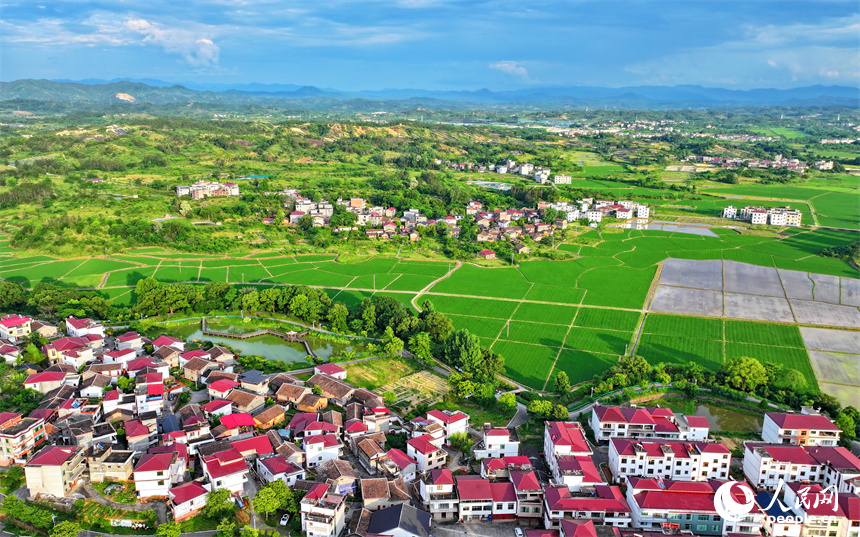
x,y
188,499
616,422
679,461
564,438
437,494
453,422
84,327
428,456
156,473
765,465
498,442
322,513
226,470
278,468
800,429
320,448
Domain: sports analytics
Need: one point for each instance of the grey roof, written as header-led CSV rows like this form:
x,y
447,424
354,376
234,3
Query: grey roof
x,y
402,516
253,376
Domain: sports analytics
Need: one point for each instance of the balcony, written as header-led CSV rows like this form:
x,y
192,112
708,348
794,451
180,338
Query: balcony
x,y
318,519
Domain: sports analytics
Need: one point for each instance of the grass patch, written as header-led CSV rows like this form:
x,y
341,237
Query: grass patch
x,y
375,373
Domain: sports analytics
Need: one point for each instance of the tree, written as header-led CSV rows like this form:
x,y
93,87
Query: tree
x,y
266,501
437,324
461,442
286,498
32,354
390,397
790,379
184,208
392,344
11,295
248,531
66,529
846,422
170,529
540,408
419,346
508,401
744,373
337,316
560,413
219,502
226,528
316,390
635,368
462,350
562,383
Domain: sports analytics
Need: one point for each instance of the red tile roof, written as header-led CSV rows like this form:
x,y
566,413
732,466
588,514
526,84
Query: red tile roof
x,y
802,421
279,465
525,480
472,487
578,528
223,385
162,341
503,492
215,404
580,463
606,499
441,477
568,434
46,376
237,419
261,445
422,444
327,440
445,418
402,460
330,369
154,462
135,428
187,492
15,321
53,456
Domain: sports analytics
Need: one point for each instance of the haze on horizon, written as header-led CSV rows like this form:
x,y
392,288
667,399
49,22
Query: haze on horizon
x,y
436,44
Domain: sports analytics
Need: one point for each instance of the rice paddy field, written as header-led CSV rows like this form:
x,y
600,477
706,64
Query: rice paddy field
x,y
543,316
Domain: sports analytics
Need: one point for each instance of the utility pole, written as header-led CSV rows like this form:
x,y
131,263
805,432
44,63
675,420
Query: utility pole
x,y
512,259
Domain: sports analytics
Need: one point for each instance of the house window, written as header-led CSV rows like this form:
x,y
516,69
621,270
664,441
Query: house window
x,y
160,483
535,509
159,473
510,506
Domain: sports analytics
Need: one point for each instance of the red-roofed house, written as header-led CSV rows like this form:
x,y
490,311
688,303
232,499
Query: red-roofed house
x,y
155,473
680,461
168,341
139,436
529,495
504,500
322,513
561,439
576,472
237,419
320,448
130,340
119,357
487,254
453,422
45,381
75,351
681,506
187,500
765,465
221,388
15,327
398,464
226,470
800,429
332,370
475,497
255,446
498,442
437,494
149,398
616,422
84,327
425,453
278,468
218,407
55,471
606,505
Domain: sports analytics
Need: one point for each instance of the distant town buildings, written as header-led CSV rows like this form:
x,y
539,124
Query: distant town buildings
x,y
773,216
204,189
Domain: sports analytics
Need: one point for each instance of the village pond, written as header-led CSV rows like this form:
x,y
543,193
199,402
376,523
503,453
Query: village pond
x,y
721,418
268,346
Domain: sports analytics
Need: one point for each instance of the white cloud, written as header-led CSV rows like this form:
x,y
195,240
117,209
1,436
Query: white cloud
x,y
773,55
194,49
512,68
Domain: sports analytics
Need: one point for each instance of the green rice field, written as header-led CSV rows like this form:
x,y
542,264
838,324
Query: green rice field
x,y
544,316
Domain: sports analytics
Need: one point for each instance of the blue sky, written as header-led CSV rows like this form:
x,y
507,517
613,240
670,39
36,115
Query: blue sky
x,y
436,44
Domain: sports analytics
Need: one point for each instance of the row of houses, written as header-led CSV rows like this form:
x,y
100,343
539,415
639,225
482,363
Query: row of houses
x,y
772,216
204,189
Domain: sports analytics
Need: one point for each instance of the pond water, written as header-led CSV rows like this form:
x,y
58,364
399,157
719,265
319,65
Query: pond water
x,y
726,419
267,346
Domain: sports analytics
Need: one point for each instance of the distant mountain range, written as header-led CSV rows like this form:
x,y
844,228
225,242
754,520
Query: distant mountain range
x,y
657,97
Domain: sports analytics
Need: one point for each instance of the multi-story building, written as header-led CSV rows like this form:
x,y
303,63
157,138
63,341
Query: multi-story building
x,y
202,189
643,211
156,473
562,179
15,327
426,454
605,505
576,472
55,471
800,429
563,439
277,468
19,437
823,513
765,465
673,507
322,513
438,497
84,327
187,500
453,422
730,212
498,442
320,448
679,461
616,422
226,470
108,464
529,495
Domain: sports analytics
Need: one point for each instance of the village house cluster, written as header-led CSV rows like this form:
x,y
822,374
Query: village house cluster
x,y
778,162
204,189
330,439
770,216
596,209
